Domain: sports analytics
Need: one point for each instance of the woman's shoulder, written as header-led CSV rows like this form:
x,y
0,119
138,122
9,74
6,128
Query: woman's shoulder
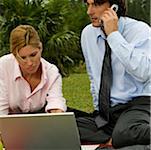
x,y
7,63
49,66
6,59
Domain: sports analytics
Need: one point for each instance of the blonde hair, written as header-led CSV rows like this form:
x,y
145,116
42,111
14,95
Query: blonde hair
x,y
21,36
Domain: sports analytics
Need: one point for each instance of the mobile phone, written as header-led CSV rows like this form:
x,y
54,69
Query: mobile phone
x,y
114,7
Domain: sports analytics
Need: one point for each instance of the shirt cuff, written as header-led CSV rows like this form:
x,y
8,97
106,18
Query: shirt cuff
x,y
56,104
115,39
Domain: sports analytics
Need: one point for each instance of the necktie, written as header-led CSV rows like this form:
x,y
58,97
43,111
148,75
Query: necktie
x,y
104,92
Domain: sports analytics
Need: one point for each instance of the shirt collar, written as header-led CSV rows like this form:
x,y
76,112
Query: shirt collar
x,y
98,33
44,69
121,24
17,72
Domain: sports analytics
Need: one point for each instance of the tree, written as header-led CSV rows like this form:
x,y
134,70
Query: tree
x,y
59,24
14,13
50,18
139,9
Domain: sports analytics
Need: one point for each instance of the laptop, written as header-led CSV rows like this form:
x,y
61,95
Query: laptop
x,y
46,131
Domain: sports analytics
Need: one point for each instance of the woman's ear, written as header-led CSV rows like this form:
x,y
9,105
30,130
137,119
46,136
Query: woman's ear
x,y
40,46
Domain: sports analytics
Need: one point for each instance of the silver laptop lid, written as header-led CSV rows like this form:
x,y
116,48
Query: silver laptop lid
x,y
48,131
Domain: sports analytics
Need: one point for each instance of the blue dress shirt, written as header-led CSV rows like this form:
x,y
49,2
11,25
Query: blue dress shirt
x,y
131,59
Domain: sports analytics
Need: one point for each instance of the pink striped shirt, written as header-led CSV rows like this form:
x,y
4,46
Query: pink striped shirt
x,y
15,92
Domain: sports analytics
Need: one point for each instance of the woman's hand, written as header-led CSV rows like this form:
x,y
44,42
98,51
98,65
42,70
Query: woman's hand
x,y
55,111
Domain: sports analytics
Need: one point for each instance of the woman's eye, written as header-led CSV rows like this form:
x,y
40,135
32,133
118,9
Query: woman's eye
x,y
33,55
23,57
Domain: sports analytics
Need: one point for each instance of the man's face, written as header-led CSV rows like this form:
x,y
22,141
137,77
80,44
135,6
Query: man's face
x,y
95,11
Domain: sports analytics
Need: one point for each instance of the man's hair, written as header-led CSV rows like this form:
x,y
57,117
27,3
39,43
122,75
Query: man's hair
x,y
121,4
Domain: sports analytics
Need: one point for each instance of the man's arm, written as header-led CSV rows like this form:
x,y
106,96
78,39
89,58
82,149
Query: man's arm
x,y
135,55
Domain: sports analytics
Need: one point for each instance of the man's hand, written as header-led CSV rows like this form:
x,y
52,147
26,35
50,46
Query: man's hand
x,y
110,21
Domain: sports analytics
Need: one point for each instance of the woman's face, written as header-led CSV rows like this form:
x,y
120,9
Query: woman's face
x,y
29,59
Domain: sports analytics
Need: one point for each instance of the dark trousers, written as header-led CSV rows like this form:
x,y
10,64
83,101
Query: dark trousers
x,y
128,124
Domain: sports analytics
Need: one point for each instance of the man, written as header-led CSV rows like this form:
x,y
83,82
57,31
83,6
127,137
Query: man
x,y
129,41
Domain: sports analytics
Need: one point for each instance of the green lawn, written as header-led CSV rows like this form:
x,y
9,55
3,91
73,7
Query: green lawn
x,y
76,90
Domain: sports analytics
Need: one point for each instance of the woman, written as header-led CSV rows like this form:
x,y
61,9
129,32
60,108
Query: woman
x,y
28,83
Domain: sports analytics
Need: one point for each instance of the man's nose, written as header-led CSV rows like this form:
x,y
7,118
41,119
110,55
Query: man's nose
x,y
90,10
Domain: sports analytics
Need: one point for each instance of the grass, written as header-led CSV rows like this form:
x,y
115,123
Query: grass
x,y
76,90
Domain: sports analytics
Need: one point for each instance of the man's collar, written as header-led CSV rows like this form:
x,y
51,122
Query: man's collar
x,y
121,24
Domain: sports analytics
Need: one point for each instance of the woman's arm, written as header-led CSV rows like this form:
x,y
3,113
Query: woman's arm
x,y
55,100
4,104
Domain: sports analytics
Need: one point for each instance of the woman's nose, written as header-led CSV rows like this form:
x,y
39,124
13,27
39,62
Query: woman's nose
x,y
28,61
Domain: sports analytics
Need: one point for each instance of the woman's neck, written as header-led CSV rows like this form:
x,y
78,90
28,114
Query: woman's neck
x,y
34,79
37,74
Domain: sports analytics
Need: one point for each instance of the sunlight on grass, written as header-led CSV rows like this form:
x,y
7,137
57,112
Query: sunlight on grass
x,y
1,146
76,90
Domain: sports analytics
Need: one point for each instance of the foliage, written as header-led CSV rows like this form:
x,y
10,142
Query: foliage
x,y
51,19
17,12
59,24
140,10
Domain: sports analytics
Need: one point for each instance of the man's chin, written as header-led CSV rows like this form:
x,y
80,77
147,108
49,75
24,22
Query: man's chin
x,y
96,25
